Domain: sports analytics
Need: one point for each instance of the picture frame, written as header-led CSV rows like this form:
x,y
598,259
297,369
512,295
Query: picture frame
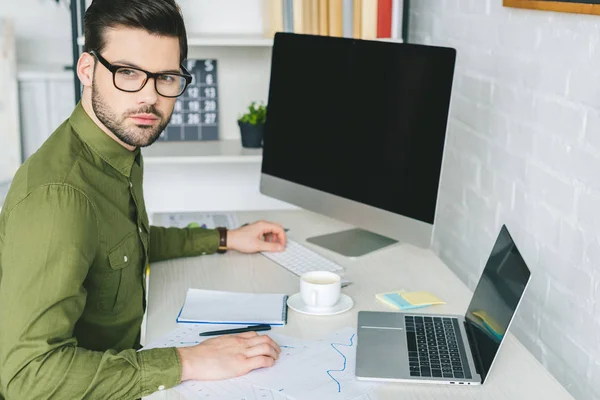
x,y
569,6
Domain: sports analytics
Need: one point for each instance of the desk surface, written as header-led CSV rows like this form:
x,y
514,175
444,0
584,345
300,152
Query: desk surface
x,y
516,373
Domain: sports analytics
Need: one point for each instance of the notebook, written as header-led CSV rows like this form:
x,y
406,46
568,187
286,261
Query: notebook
x,y
218,307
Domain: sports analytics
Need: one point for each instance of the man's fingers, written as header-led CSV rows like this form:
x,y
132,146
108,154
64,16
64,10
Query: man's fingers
x,y
263,349
247,335
277,237
259,362
274,238
280,237
271,232
271,246
263,339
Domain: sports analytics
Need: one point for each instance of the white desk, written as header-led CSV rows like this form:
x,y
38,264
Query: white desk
x,y
516,373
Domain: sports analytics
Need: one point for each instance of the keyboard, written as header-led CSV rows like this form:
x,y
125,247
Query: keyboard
x,y
299,259
433,349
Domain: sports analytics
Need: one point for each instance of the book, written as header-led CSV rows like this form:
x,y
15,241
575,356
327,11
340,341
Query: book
x,y
273,17
307,16
314,17
298,17
347,18
368,25
384,18
397,14
288,15
336,27
324,17
357,19
219,307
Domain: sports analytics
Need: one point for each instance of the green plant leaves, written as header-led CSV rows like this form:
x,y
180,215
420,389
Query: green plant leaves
x,y
256,114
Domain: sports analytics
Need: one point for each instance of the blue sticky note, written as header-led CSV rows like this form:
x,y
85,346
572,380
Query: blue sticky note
x,y
492,331
400,301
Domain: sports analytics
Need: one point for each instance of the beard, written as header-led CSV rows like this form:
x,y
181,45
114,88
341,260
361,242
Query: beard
x,y
132,134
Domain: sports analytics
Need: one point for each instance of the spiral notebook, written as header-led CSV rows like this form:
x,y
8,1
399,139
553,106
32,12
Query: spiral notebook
x,y
218,307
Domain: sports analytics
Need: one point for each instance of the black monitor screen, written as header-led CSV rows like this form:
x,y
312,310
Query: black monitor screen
x,y
495,299
364,120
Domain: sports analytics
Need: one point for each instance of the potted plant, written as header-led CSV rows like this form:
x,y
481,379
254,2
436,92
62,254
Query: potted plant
x,y
252,125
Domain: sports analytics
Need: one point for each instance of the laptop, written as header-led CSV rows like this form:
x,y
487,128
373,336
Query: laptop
x,y
446,349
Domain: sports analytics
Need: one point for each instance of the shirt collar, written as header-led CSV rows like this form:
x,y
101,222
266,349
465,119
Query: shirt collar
x,y
106,147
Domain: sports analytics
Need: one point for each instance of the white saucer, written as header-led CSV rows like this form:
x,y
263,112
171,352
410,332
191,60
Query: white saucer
x,y
344,304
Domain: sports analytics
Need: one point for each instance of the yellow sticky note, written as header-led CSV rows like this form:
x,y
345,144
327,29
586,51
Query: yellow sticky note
x,y
421,298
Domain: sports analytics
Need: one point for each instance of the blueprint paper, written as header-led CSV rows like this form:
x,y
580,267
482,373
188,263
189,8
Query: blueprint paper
x,y
322,369
187,335
306,369
230,389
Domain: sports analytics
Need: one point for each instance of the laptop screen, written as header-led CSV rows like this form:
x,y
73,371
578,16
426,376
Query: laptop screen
x,y
495,300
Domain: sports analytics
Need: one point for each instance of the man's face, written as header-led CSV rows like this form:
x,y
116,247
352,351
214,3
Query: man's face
x,y
138,118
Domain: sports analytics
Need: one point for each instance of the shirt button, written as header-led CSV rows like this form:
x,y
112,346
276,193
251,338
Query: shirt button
x,y
125,258
161,387
140,229
130,184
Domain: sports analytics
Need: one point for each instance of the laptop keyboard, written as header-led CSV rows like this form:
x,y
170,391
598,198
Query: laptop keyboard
x,y
433,349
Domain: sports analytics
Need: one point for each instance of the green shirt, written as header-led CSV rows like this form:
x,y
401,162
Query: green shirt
x,y
74,241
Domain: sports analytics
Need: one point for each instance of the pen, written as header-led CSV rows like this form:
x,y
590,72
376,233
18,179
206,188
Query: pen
x,y
261,327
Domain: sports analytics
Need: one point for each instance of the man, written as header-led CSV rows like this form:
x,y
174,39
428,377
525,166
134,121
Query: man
x,y
74,233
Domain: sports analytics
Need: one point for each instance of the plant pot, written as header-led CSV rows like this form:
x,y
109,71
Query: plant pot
x,y
252,135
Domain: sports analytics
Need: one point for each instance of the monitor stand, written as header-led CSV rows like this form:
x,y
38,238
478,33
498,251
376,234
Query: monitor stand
x,y
352,243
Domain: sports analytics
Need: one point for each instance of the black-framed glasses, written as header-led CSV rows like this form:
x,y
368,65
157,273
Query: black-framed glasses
x,y
131,79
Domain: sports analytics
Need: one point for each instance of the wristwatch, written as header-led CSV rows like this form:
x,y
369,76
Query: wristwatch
x,y
222,240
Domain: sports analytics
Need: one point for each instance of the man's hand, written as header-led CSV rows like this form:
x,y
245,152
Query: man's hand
x,y
227,356
259,236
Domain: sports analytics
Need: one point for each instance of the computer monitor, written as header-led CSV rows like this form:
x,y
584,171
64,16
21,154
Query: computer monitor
x,y
355,131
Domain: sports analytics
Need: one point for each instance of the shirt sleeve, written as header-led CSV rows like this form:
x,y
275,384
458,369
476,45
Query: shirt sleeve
x,y
50,242
168,243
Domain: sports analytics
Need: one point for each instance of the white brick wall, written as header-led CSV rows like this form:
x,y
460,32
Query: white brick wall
x,y
523,150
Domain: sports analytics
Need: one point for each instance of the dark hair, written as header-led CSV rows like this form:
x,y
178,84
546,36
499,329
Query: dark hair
x,y
160,17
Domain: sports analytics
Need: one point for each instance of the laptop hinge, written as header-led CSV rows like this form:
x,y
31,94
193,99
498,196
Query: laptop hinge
x,y
476,355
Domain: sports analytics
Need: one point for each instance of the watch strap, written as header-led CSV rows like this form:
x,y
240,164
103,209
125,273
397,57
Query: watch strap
x,y
222,240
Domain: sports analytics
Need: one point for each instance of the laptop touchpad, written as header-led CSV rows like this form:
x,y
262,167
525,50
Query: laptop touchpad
x,y
382,319
381,351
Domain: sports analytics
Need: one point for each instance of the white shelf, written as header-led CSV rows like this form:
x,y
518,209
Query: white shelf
x,y
221,40
225,40
43,72
391,40
218,151
237,40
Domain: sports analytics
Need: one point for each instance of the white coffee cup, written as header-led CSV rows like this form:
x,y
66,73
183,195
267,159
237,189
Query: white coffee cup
x,y
320,289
